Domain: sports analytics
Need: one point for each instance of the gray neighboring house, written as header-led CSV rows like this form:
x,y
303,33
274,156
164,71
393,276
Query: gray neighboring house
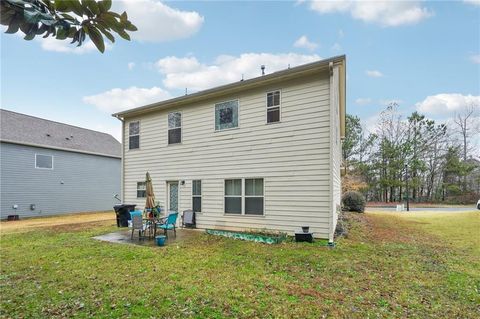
x,y
50,168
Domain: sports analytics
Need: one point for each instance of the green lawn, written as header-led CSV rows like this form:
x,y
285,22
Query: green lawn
x,y
418,265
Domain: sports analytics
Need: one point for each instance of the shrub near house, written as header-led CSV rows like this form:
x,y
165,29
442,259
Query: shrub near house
x,y
353,202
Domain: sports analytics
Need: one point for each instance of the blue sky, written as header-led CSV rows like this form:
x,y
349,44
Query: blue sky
x,y
424,55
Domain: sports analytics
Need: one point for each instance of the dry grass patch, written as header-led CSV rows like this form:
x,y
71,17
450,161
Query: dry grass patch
x,y
60,222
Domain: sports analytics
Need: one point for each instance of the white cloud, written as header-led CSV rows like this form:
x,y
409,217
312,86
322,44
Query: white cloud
x,y
446,103
363,101
474,2
341,34
116,100
384,13
304,43
188,72
157,22
131,65
52,44
374,73
475,58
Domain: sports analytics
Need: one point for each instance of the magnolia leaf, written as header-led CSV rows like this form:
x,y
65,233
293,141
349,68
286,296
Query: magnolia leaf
x,y
107,4
93,6
124,35
96,38
31,33
14,25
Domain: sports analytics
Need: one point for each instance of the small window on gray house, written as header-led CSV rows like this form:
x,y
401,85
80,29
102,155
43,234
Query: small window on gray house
x,y
254,196
273,107
174,128
134,135
233,196
226,115
141,190
197,195
43,161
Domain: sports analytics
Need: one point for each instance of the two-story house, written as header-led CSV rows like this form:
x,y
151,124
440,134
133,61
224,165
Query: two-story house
x,y
51,168
263,153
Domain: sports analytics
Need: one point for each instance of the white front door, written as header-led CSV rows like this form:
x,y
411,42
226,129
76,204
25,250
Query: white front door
x,y
172,196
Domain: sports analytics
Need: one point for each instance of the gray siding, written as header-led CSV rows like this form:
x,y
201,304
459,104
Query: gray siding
x,y
89,182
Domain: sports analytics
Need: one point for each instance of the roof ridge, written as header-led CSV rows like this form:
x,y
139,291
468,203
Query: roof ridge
x,y
43,119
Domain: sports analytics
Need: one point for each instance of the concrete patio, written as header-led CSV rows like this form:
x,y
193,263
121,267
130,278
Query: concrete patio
x,y
124,237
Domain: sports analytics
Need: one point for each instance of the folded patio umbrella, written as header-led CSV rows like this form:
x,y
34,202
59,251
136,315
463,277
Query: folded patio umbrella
x,y
150,203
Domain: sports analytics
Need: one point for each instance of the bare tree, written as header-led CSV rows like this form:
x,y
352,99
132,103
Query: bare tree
x,y
467,127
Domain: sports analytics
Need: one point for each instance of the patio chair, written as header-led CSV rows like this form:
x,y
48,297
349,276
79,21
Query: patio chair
x,y
137,223
188,218
169,223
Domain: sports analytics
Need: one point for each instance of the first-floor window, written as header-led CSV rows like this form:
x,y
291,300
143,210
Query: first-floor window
x,y
244,196
254,196
141,190
197,195
233,196
43,161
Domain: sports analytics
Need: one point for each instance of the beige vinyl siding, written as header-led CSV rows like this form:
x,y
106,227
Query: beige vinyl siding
x,y
336,148
293,157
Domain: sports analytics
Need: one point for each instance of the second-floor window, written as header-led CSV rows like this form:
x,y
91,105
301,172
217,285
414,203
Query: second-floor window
x,y
174,128
273,107
226,115
134,135
43,161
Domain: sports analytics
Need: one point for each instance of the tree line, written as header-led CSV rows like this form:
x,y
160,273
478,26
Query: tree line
x,y
438,161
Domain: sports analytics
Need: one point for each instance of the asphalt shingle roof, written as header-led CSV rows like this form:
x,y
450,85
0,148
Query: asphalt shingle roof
x,y
25,129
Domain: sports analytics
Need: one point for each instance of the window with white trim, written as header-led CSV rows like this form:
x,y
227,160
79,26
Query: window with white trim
x,y
254,196
273,106
233,196
226,115
133,135
141,189
197,195
43,161
244,196
174,128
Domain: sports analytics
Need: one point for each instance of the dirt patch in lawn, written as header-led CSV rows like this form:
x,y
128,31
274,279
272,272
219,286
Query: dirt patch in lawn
x,y
69,222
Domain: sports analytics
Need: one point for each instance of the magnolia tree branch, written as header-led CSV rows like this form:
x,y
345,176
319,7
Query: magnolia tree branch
x,y
66,19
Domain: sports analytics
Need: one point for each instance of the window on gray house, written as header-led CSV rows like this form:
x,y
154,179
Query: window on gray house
x,y
233,196
197,195
43,161
141,189
254,196
226,115
273,107
174,128
134,135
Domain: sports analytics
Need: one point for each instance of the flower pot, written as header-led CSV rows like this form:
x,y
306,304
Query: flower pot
x,y
305,229
160,240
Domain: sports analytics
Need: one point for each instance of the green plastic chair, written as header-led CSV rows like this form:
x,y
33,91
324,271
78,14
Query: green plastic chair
x,y
169,224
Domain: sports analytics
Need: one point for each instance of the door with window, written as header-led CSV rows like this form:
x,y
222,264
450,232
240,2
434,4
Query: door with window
x,y
172,204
